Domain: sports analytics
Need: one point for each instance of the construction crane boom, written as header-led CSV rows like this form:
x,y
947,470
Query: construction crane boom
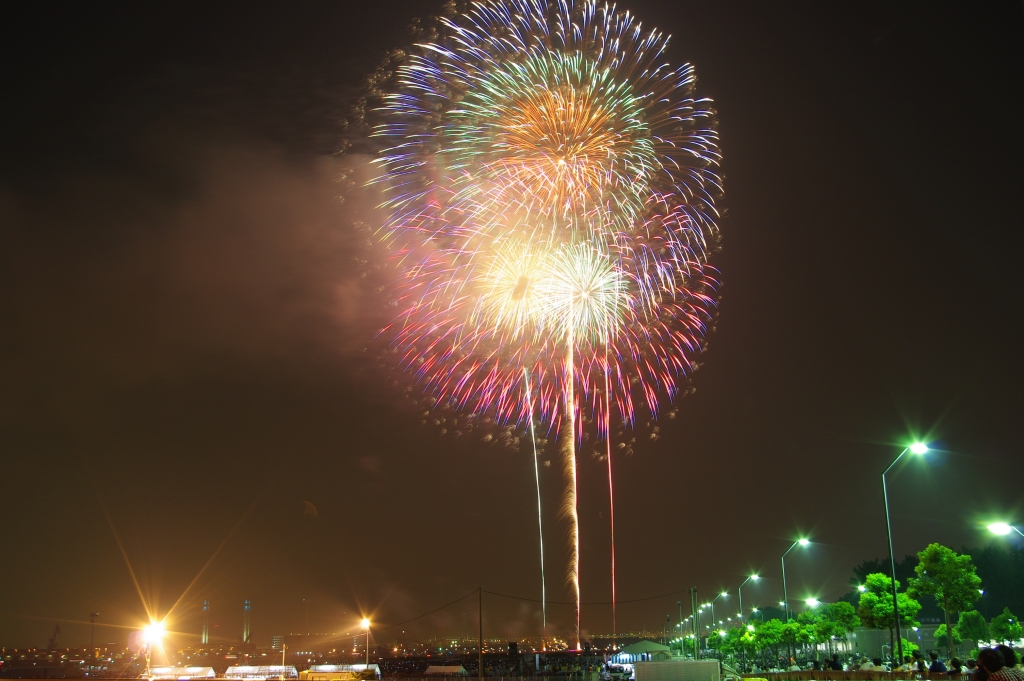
x,y
53,639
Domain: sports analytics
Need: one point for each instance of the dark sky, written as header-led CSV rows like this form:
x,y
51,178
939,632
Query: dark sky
x,y
182,358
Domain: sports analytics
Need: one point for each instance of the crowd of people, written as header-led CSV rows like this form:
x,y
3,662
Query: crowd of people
x,y
999,663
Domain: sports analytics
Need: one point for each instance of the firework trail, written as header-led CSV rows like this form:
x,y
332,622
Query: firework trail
x,y
540,521
567,447
611,492
550,189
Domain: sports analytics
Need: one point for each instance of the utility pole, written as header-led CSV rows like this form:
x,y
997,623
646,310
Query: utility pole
x,y
480,642
680,604
696,622
92,634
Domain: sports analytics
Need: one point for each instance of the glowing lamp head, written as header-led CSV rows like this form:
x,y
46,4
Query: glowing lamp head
x,y
1000,528
364,623
813,602
919,448
153,633
755,577
724,593
862,588
804,542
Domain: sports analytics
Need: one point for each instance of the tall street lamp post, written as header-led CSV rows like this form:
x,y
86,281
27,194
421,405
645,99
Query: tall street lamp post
x,y
785,593
740,591
919,449
679,604
365,624
714,622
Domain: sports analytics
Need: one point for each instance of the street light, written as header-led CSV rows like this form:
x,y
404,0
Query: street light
x,y
152,633
785,594
758,613
813,602
712,605
920,449
365,624
740,590
1003,529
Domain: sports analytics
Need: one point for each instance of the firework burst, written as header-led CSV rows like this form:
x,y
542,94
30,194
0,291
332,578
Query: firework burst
x,y
550,191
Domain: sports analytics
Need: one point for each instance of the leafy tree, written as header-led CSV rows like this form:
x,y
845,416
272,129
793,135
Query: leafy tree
x,y
829,621
768,636
940,632
842,616
949,577
717,640
875,606
909,646
972,627
1005,627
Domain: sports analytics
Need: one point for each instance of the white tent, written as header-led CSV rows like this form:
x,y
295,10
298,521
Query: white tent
x,y
446,670
273,671
643,650
178,673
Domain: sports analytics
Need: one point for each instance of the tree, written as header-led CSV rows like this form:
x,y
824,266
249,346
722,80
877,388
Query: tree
x,y
830,621
949,577
842,616
940,632
1005,627
875,606
768,636
972,627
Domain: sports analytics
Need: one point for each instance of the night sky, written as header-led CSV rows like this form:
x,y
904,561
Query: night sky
x,y
186,346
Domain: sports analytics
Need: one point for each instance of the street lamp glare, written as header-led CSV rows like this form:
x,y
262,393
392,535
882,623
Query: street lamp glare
x,y
813,602
724,593
804,542
755,577
365,623
1000,529
153,632
919,448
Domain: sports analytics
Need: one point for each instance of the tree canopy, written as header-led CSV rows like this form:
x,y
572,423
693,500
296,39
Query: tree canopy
x,y
949,577
1005,627
972,627
875,607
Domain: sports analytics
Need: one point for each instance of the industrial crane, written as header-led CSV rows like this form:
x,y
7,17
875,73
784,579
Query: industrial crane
x,y
53,639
